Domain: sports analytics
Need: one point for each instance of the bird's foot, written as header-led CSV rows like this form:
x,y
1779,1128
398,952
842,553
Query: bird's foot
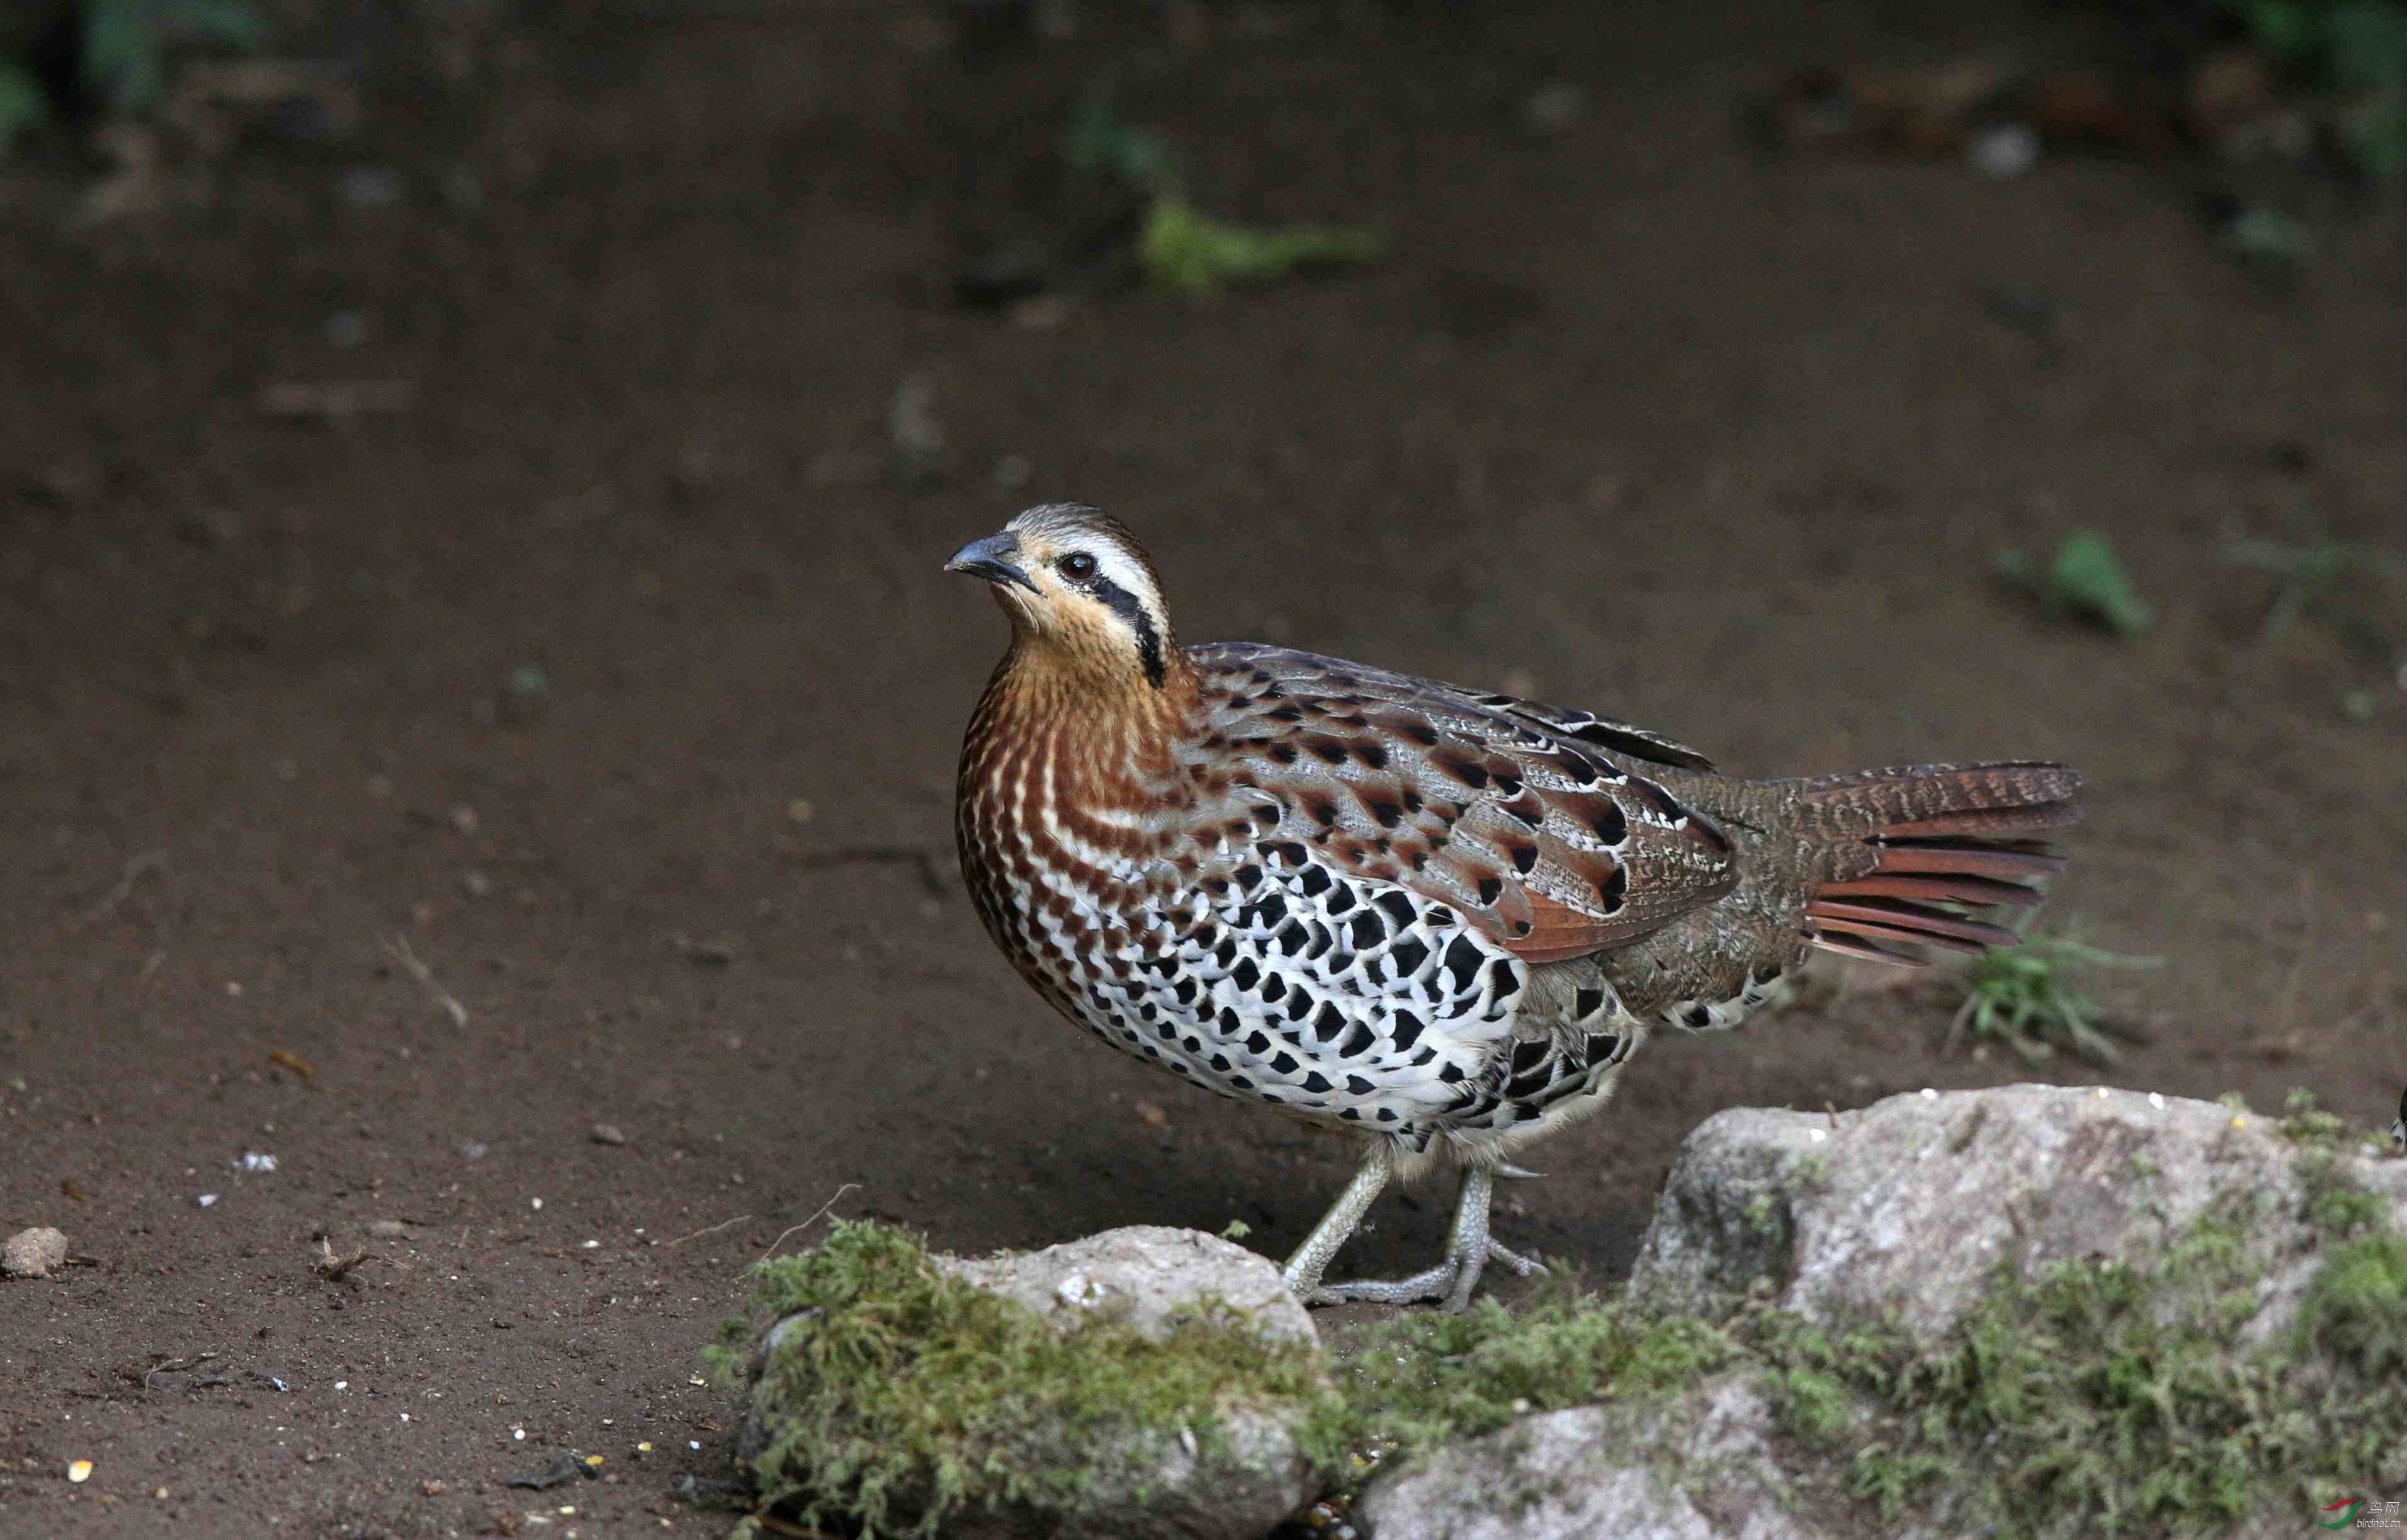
x,y
1450,1281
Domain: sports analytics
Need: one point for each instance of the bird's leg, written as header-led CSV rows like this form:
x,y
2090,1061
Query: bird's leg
x,y
1336,1227
1468,1250
1470,1245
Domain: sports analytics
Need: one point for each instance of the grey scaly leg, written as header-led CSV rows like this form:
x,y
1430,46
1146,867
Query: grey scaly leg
x,y
1470,1245
1468,1250
1336,1227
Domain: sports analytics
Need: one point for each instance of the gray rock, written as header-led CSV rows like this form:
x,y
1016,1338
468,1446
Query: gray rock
x,y
1236,1481
33,1253
1911,1204
1153,1277
1698,1468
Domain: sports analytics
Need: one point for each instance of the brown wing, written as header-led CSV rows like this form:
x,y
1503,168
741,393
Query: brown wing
x,y
1542,837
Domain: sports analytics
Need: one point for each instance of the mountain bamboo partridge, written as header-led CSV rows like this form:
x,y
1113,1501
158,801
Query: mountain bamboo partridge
x,y
1442,919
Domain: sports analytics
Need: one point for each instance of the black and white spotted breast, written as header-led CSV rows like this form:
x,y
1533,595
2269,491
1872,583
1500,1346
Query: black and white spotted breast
x,y
1349,1001
1355,1004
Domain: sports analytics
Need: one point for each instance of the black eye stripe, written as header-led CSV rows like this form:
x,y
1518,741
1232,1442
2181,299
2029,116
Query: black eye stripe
x,y
1149,641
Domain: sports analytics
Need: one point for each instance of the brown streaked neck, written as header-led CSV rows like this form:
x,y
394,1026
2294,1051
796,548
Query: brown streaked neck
x,y
1113,730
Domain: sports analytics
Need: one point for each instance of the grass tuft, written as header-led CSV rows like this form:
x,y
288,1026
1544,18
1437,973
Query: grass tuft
x,y
1188,254
1180,249
2086,579
2028,996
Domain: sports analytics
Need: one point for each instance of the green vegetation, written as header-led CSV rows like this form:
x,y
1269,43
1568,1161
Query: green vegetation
x,y
126,43
2086,579
2028,996
24,108
122,51
2355,49
1422,1379
1180,249
1188,254
2311,581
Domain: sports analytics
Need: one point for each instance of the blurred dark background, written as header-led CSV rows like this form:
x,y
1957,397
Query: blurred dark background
x,y
474,665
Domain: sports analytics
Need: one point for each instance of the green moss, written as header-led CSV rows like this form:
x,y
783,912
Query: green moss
x,y
1423,1378
2305,1124
2356,1308
913,1393
2335,1204
1890,1479
1809,1403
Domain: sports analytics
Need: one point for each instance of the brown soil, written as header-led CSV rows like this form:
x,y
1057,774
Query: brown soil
x,y
537,675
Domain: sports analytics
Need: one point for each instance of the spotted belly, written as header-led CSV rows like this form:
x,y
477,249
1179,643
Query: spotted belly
x,y
1342,1000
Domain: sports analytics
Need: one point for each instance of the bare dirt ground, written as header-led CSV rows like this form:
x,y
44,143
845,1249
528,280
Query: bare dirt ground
x,y
614,678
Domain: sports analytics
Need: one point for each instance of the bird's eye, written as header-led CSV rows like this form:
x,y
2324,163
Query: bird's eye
x,y
1077,566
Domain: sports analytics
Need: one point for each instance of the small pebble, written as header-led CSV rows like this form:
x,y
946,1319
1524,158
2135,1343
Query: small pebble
x,y
33,1253
608,1134
78,1471
2004,150
206,1200
388,1230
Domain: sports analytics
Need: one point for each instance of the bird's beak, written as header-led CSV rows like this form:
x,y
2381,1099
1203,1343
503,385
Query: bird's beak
x,y
992,559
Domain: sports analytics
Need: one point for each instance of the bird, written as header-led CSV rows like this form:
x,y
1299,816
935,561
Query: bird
x,y
2399,1125
1441,920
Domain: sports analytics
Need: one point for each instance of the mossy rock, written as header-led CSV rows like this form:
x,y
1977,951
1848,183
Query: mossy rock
x,y
1907,1209
2230,1371
1141,1383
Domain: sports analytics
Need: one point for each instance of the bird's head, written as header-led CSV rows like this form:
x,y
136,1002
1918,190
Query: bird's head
x,y
1080,591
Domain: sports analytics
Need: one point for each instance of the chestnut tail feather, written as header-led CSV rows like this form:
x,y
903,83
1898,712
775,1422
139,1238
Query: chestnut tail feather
x,y
1892,844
